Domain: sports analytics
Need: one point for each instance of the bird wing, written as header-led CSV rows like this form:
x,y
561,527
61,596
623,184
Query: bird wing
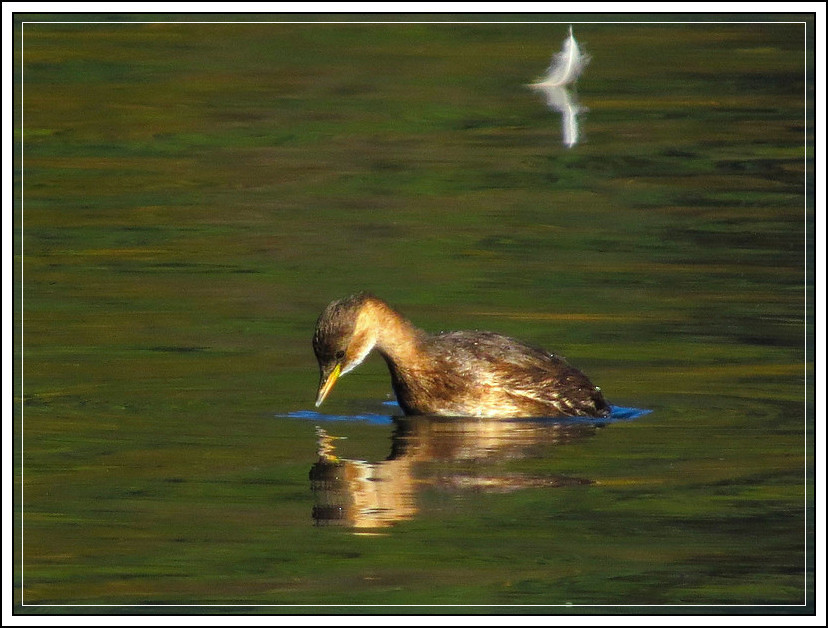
x,y
526,372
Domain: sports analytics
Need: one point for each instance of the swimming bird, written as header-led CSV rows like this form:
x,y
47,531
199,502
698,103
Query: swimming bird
x,y
458,373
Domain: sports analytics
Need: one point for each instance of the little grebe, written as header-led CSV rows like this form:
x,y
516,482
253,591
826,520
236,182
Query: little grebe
x,y
460,373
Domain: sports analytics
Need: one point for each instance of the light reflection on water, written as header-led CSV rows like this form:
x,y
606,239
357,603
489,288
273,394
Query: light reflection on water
x,y
566,103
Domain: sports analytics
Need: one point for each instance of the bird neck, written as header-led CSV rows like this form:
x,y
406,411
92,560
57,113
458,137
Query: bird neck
x,y
394,336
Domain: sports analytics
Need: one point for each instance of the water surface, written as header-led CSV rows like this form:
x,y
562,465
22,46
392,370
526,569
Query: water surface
x,y
194,194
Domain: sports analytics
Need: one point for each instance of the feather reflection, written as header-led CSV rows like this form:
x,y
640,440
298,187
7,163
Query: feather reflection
x,y
561,100
431,452
566,67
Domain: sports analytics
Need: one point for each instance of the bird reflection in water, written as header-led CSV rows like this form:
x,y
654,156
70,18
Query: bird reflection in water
x,y
370,495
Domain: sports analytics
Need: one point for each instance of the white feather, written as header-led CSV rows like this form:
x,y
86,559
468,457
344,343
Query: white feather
x,y
566,65
559,99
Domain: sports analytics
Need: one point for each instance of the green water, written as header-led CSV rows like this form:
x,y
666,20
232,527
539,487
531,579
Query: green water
x,y
194,194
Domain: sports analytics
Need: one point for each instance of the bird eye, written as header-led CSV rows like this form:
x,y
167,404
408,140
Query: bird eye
x,y
340,354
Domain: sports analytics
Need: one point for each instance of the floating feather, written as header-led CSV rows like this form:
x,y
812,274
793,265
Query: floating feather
x,y
566,65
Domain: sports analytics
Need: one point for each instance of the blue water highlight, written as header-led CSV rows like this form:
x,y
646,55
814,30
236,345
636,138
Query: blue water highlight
x,y
617,414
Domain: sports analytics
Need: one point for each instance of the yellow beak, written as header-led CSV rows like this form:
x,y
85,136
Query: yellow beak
x,y
326,386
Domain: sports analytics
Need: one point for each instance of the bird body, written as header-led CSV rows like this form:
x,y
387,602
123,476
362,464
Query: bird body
x,y
459,373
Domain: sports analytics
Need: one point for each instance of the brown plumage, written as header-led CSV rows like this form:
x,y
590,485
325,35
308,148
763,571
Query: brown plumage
x,y
460,373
